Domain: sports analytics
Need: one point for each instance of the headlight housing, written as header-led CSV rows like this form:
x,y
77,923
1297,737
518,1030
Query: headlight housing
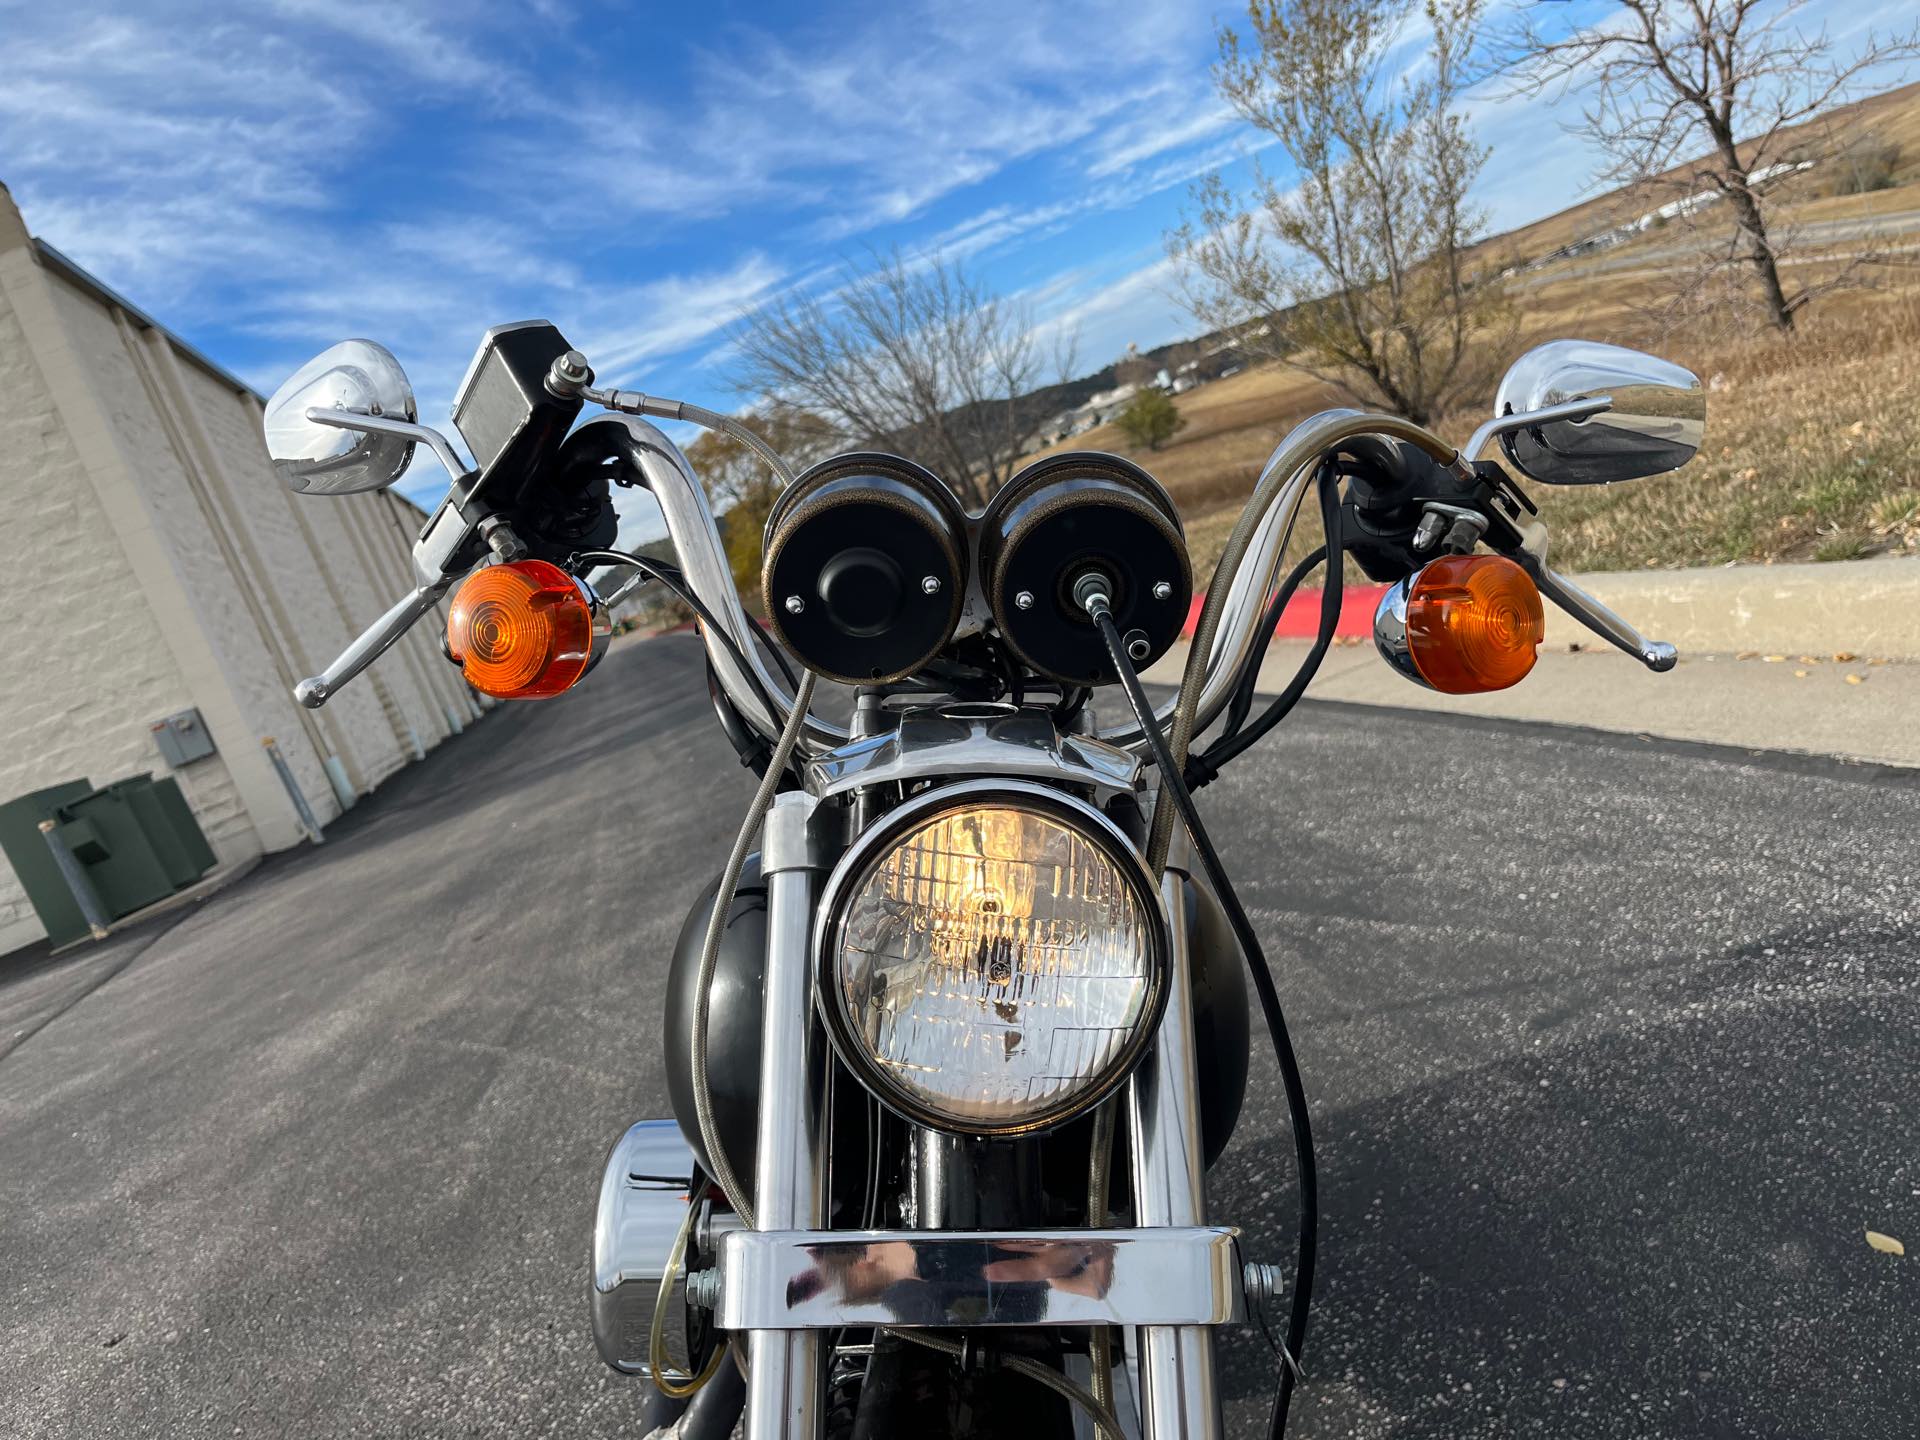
x,y
992,958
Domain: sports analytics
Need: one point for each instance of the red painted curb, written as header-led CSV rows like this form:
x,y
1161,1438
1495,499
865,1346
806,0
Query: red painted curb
x,y
1301,619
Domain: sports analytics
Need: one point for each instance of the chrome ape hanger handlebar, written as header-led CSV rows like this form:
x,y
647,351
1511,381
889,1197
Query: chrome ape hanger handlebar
x,y
1255,564
1236,600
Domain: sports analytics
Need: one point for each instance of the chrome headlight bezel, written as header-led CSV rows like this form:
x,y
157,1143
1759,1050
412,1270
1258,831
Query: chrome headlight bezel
x,y
887,833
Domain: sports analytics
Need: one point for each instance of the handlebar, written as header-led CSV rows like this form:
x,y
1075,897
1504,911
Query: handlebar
x,y
1236,598
1223,640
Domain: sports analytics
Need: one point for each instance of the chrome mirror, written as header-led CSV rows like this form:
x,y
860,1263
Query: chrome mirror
x,y
318,446
1617,414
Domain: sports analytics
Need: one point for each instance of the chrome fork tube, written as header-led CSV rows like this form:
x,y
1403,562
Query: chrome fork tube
x,y
785,1378
1178,1397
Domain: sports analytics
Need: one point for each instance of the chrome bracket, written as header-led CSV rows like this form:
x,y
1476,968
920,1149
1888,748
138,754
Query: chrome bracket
x,y
911,1279
1023,744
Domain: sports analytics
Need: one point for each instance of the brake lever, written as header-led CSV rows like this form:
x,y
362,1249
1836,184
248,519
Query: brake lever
x,y
1657,655
435,555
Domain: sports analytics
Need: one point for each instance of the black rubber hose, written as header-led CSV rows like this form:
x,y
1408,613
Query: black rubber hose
x,y
714,1413
1174,786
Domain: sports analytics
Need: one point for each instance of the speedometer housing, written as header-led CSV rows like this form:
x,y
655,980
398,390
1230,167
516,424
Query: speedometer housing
x,y
991,958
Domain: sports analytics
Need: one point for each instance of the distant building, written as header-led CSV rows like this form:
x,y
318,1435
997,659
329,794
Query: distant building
x,y
156,566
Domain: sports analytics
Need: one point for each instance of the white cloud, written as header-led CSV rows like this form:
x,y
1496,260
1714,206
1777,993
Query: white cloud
x,y
662,317
871,124
408,39
1178,117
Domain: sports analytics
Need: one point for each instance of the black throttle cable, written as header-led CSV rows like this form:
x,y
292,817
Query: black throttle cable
x,y
1203,767
1099,607
671,577
1242,705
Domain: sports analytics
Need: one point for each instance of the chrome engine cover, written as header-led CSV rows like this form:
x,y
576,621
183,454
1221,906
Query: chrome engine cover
x,y
644,1196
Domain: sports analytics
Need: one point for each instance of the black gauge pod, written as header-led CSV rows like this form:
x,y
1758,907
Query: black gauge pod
x,y
865,570
1061,519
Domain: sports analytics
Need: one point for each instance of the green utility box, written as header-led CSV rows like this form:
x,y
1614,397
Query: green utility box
x,y
126,873
136,841
169,826
26,851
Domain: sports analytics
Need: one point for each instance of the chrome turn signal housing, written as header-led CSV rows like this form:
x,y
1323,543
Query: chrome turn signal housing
x,y
525,630
1462,624
992,958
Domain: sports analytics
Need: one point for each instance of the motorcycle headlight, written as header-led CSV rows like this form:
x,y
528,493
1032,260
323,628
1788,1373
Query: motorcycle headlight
x,y
992,958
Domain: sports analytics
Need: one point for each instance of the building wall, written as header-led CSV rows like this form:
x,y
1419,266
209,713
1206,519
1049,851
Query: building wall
x,y
159,565
87,665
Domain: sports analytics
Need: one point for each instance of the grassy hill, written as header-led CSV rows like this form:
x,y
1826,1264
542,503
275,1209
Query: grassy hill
x,y
1813,448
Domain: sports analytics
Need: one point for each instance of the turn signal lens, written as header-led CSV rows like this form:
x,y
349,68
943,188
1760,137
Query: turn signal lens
x,y
1473,623
524,630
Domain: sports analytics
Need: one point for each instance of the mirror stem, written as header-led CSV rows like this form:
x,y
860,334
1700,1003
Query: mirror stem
x,y
1583,409
380,424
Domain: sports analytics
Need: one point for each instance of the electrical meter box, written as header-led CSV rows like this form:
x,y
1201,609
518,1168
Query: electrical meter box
x,y
182,738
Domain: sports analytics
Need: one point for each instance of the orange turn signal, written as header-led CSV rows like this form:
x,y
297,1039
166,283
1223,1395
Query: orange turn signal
x,y
524,630
1473,623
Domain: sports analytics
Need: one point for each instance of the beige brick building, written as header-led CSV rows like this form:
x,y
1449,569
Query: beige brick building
x,y
155,564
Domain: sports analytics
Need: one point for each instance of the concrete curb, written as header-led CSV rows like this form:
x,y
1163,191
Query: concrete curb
x,y
1866,607
1860,710
1863,607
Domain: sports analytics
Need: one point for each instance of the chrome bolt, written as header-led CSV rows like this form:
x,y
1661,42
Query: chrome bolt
x,y
1262,1284
1023,601
569,373
1162,590
930,585
703,1289
795,604
501,539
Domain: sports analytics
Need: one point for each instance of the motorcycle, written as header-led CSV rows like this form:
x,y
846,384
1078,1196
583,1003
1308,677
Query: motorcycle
x,y
957,1032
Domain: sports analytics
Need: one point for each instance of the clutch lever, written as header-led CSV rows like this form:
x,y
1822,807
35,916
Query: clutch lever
x,y
436,565
316,690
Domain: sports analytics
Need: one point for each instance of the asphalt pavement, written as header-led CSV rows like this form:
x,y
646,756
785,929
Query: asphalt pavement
x,y
1611,1044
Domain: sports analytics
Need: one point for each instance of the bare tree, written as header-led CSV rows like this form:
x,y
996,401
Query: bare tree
x,y
1359,272
1732,80
1063,355
911,354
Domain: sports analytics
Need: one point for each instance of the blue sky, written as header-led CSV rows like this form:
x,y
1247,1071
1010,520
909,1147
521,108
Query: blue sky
x,y
268,178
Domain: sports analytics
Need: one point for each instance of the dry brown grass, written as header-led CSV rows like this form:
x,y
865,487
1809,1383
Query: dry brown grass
x,y
1892,118
1813,453
1813,448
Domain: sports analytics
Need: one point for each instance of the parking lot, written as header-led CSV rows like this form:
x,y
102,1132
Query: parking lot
x,y
1612,1045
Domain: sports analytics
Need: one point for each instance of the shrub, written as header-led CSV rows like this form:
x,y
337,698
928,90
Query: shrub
x,y
1866,167
1151,418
